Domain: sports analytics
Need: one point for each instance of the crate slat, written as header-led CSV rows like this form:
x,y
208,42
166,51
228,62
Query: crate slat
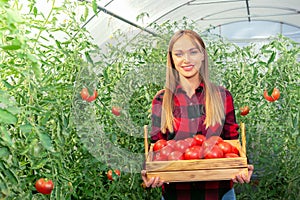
x,y
197,175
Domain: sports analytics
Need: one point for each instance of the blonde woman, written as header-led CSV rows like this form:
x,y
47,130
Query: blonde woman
x,y
191,104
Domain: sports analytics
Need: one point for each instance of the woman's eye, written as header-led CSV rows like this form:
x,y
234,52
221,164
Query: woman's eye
x,y
178,54
194,52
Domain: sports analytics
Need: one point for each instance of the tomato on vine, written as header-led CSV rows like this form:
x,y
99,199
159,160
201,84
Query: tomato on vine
x,y
85,95
44,186
274,96
116,111
244,110
112,175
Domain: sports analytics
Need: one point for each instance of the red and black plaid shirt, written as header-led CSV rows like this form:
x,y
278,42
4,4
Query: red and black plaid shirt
x,y
189,114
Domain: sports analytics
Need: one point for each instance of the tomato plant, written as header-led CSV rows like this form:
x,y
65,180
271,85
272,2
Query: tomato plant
x,y
244,110
159,144
112,175
44,186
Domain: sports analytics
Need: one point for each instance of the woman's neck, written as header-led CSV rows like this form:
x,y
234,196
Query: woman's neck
x,y
189,85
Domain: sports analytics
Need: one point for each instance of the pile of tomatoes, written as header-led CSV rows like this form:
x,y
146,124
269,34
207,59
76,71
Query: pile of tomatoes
x,y
196,147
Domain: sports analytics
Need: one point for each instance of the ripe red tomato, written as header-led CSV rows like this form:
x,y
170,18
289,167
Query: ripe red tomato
x,y
191,141
112,175
181,145
214,152
159,144
199,139
84,93
275,94
231,155
86,96
194,152
165,151
43,186
225,147
93,97
158,157
116,110
267,97
211,141
171,143
244,110
176,155
235,150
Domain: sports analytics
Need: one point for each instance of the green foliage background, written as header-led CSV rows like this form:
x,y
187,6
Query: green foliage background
x,y
48,131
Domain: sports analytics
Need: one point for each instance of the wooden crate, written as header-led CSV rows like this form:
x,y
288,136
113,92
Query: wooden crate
x,y
198,170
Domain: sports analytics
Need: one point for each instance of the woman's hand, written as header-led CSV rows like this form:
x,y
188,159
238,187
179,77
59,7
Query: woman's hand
x,y
242,178
152,182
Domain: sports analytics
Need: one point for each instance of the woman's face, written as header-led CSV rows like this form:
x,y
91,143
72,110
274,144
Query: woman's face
x,y
187,57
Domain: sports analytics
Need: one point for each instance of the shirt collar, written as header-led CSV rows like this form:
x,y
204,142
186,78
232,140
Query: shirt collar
x,y
198,89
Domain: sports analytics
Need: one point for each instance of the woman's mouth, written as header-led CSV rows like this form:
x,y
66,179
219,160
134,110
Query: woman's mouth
x,y
188,67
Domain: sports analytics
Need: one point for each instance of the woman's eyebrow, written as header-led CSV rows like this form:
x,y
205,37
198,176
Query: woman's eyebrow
x,y
188,49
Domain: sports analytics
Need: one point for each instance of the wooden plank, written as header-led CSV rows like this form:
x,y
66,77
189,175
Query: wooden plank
x,y
198,175
217,163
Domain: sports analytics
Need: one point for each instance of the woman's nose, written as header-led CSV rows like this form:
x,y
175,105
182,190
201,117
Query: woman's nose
x,y
186,57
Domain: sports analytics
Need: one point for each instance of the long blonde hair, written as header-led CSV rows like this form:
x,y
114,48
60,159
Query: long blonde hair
x,y
214,105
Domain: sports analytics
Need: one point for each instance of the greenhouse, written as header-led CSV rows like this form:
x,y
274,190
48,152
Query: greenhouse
x,y
82,83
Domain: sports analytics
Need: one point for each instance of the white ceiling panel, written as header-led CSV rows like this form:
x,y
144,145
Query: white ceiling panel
x,y
121,14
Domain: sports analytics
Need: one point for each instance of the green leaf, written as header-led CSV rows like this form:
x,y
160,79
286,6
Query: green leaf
x,y
95,6
10,175
11,47
37,70
272,58
40,164
86,13
13,16
35,10
5,136
4,152
88,58
7,84
26,128
46,141
4,1
7,117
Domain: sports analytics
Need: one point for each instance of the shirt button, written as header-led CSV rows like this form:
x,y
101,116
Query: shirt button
x,y
192,119
191,103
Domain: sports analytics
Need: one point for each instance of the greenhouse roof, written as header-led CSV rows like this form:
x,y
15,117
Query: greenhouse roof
x,y
137,14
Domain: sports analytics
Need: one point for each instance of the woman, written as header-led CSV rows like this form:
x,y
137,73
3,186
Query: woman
x,y
190,104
